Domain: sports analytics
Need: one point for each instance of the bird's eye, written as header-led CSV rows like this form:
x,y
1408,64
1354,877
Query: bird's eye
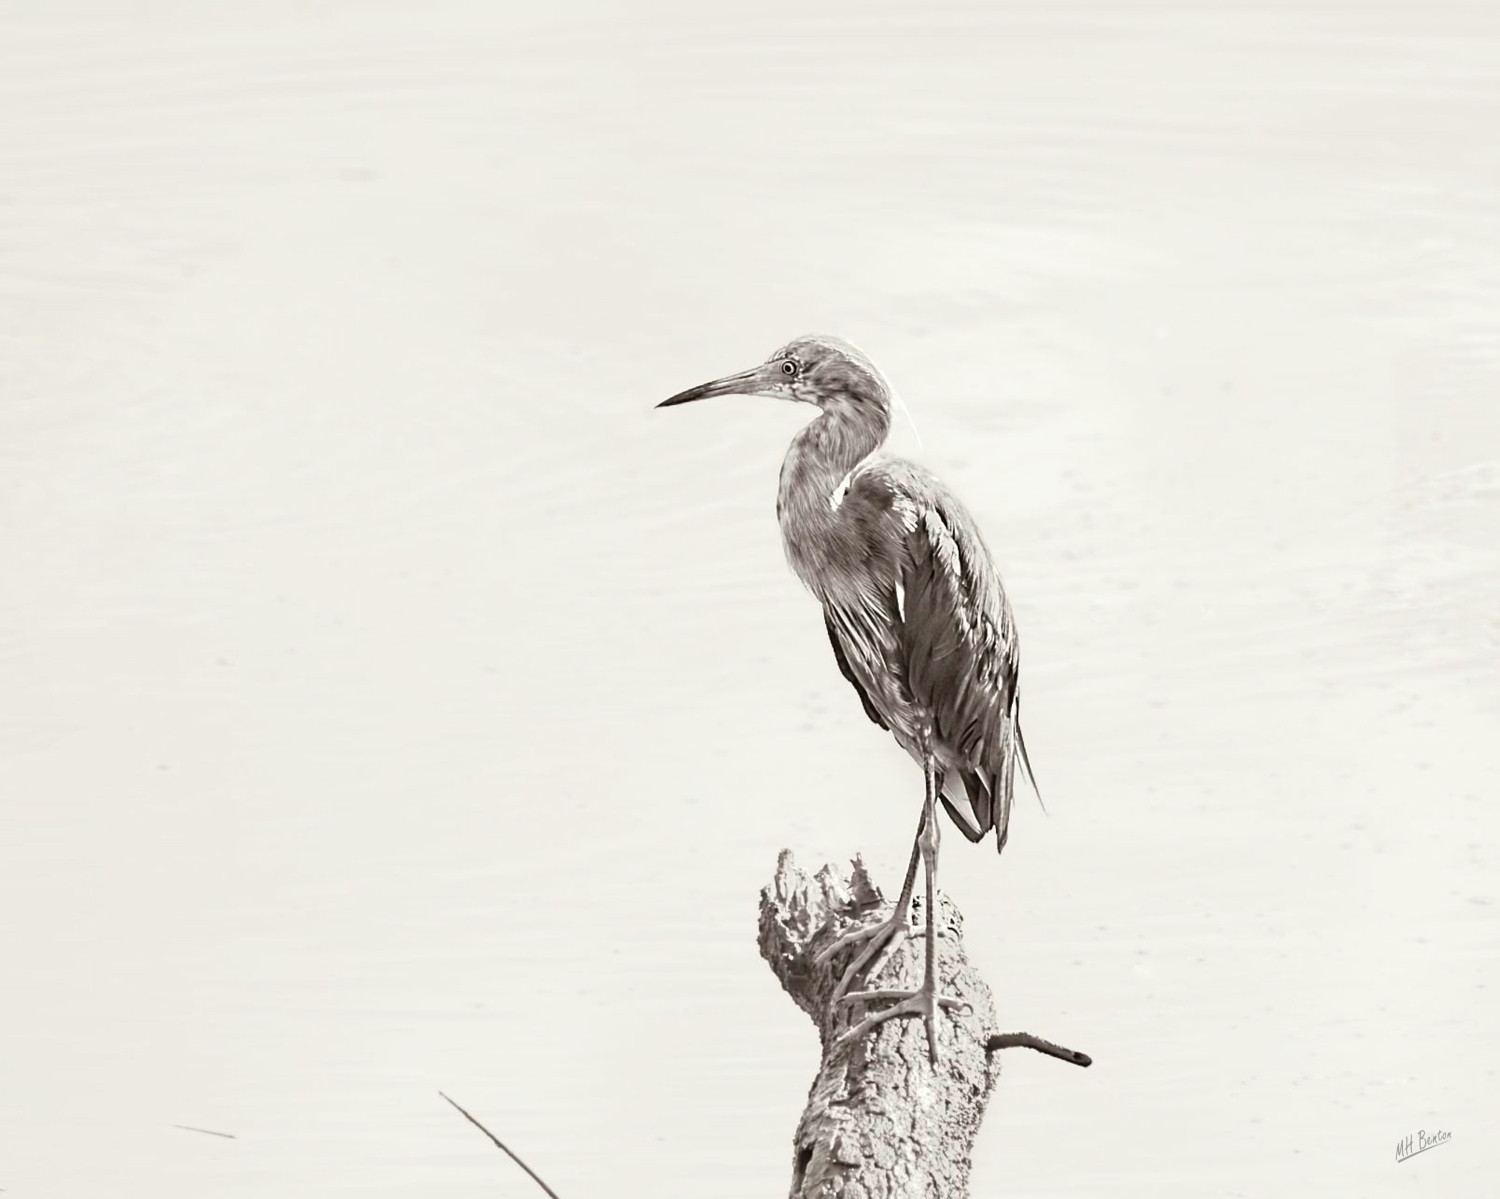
x,y
788,368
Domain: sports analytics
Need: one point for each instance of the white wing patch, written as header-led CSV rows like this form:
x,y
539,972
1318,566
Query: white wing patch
x,y
907,510
835,501
901,600
943,546
841,491
949,559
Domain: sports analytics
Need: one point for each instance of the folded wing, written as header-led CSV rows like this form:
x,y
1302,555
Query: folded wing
x,y
925,627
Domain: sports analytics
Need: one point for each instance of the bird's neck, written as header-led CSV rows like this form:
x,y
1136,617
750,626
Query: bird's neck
x,y
815,475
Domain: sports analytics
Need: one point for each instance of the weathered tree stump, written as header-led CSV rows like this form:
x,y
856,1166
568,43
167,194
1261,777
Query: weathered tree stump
x,y
881,1122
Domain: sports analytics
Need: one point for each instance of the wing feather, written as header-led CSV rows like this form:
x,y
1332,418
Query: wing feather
x,y
924,626
961,653
843,660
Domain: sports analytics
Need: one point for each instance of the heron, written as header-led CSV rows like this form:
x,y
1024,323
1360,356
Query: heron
x,y
918,620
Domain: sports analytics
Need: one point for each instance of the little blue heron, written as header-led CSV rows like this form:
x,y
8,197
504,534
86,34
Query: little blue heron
x,y
915,612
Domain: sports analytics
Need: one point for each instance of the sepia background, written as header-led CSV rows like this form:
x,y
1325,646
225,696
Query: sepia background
x,y
390,700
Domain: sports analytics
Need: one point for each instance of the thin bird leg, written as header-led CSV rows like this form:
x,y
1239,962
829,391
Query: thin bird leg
x,y
879,936
925,1001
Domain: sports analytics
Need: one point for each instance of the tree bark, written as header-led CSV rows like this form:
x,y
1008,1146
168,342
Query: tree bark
x,y
881,1122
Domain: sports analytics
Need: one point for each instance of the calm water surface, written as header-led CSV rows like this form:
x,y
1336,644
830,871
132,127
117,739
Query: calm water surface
x,y
393,701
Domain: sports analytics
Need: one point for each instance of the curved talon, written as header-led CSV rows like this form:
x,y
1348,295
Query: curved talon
x,y
863,933
866,960
922,1003
880,937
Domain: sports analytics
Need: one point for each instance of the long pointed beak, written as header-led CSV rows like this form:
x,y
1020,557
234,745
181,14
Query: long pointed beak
x,y
745,383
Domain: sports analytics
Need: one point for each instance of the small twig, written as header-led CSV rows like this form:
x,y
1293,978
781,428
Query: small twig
x,y
1024,1040
500,1145
208,1132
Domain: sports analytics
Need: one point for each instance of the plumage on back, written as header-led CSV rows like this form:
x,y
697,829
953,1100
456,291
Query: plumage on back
x,y
927,630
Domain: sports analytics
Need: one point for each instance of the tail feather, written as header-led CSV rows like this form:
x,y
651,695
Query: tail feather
x,y
980,799
960,800
1026,758
961,822
1005,779
981,788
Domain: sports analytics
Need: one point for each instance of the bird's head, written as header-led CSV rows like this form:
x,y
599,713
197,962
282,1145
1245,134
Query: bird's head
x,y
824,371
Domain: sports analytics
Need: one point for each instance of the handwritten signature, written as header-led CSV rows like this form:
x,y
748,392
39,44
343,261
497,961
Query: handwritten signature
x,y
1420,1142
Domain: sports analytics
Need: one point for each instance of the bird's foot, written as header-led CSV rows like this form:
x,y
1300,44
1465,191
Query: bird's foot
x,y
880,937
924,1002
